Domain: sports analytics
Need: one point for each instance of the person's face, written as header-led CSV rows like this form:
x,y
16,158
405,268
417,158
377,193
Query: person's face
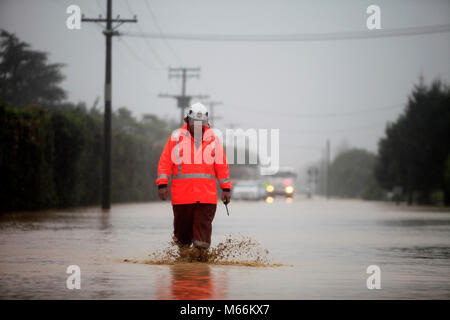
x,y
197,123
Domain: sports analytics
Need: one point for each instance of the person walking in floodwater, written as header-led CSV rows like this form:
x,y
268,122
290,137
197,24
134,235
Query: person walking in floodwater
x,y
194,158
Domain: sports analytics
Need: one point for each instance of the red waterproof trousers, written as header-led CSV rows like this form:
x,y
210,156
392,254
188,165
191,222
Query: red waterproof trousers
x,y
192,223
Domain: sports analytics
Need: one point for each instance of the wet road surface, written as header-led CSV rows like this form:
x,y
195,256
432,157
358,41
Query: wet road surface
x,y
325,248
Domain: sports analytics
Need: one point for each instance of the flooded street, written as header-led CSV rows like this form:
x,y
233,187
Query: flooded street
x,y
324,247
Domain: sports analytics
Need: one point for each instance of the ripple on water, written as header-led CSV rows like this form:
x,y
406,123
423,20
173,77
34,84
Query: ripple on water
x,y
236,251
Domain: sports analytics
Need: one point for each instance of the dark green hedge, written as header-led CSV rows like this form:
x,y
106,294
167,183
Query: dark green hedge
x,y
52,157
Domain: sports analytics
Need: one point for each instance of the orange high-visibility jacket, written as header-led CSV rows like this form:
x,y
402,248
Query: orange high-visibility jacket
x,y
193,170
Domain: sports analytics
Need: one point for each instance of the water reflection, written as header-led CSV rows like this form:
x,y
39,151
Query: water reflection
x,y
193,282
269,199
57,219
414,222
435,252
105,220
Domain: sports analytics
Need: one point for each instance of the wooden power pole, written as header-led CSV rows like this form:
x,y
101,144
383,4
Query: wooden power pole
x,y
183,100
109,32
212,114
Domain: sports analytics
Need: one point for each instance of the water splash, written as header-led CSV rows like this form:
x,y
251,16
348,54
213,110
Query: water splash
x,y
240,251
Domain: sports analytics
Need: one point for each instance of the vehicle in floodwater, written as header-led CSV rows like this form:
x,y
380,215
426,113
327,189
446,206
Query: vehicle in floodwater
x,y
282,183
249,190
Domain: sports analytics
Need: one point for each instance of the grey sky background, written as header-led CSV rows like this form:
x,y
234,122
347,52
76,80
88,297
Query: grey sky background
x,y
262,85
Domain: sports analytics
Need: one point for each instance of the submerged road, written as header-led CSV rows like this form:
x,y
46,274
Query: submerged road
x,y
325,247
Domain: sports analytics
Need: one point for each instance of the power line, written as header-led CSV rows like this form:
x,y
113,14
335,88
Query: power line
x,y
147,42
317,115
149,9
338,130
142,61
297,146
383,33
100,7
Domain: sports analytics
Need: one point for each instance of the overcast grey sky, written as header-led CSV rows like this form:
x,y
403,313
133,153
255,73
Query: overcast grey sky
x,y
262,85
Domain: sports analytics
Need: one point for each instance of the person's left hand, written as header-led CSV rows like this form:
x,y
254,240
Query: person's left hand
x,y
226,195
163,193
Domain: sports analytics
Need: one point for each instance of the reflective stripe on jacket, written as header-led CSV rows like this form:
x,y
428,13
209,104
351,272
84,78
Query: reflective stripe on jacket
x,y
193,170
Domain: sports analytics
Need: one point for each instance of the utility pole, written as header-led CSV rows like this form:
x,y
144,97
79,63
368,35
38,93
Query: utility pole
x,y
109,32
211,105
183,100
313,174
327,186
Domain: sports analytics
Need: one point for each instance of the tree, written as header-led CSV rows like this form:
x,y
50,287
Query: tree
x,y
25,75
351,175
447,181
51,150
414,152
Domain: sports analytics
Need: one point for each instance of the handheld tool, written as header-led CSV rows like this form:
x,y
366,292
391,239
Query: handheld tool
x,y
226,206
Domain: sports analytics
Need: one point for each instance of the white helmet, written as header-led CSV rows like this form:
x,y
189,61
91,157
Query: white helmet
x,y
197,111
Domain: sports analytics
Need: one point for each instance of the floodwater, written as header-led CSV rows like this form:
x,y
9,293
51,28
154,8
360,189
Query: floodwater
x,y
324,248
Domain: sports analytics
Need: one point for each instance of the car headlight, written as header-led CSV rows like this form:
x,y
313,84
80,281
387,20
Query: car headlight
x,y
289,189
269,188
